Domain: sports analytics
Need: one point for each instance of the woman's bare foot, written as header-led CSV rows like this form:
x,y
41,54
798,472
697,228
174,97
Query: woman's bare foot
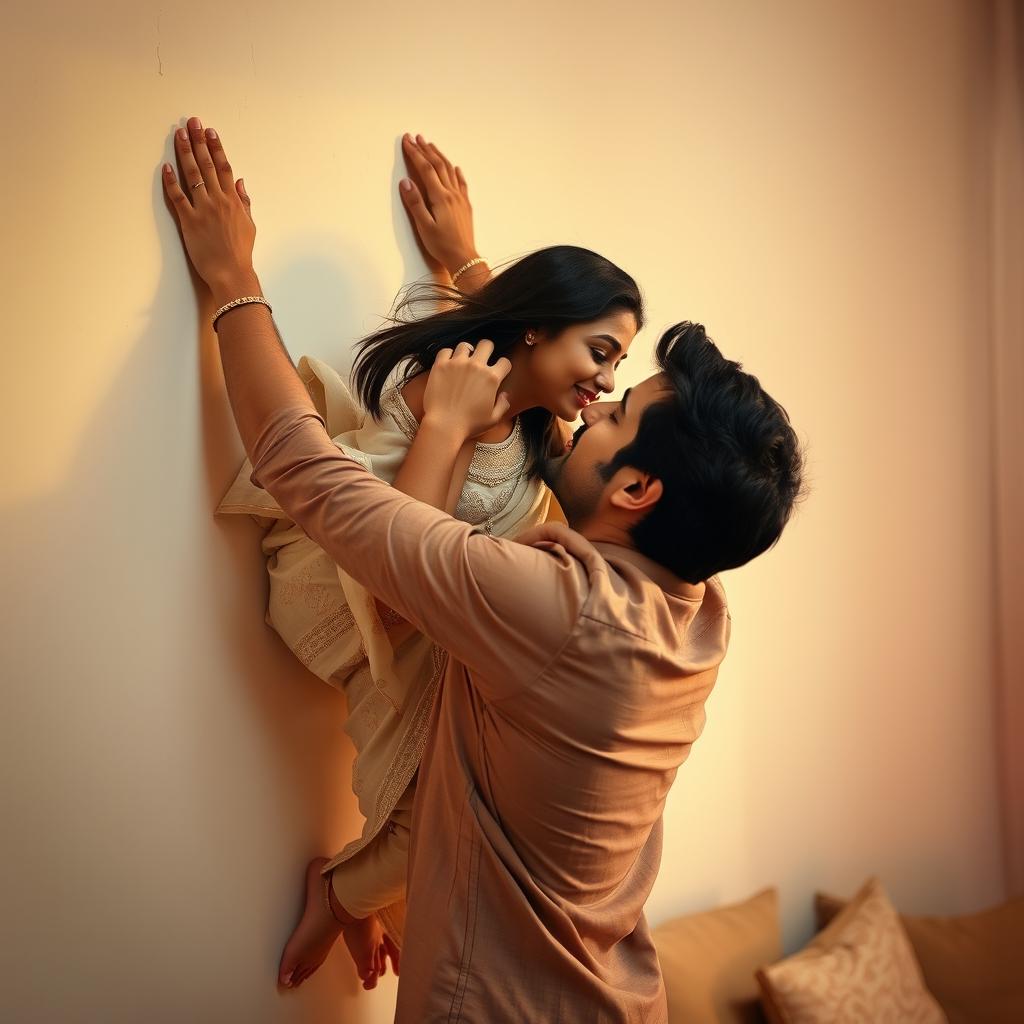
x,y
363,938
318,930
391,950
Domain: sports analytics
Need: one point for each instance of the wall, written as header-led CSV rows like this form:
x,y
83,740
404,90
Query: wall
x,y
807,181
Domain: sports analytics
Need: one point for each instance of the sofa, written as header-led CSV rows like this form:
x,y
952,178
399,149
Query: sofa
x,y
867,964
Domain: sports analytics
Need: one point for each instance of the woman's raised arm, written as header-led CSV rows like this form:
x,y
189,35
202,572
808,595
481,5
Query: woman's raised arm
x,y
437,201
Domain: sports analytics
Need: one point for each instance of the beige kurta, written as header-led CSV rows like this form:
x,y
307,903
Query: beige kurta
x,y
388,670
573,691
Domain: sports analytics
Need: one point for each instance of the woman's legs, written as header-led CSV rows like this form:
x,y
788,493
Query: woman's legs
x,y
374,878
318,930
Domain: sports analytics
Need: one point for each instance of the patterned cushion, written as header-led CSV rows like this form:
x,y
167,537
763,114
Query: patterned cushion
x,y
860,970
971,963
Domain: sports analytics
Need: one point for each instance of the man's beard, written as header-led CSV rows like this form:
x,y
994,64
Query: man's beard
x,y
552,466
578,500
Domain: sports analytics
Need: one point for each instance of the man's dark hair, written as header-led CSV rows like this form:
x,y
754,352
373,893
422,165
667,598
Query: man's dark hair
x,y
729,462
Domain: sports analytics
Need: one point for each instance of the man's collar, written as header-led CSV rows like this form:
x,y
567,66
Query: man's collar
x,y
664,578
556,532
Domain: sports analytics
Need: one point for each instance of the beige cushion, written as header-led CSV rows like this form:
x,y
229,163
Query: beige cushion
x,y
973,963
708,960
860,969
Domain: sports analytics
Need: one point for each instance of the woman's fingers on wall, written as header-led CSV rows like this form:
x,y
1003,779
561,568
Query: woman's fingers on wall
x,y
426,173
215,145
441,164
413,160
412,197
244,196
182,206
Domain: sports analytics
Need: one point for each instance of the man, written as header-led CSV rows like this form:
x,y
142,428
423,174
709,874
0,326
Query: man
x,y
580,657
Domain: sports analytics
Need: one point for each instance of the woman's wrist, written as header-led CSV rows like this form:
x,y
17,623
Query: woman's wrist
x,y
443,431
234,285
453,263
472,278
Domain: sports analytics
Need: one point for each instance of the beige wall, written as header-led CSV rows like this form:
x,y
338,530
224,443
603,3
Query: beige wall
x,y
806,181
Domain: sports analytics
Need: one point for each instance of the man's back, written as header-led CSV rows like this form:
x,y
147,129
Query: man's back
x,y
537,827
574,688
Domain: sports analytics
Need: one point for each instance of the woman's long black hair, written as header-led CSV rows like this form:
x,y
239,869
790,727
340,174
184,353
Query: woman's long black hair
x,y
546,290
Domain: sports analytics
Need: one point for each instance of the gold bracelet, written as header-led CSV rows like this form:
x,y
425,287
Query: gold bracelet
x,y
239,302
466,266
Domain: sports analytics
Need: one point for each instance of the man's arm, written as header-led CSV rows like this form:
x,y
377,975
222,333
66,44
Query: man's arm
x,y
458,586
433,471
504,609
248,338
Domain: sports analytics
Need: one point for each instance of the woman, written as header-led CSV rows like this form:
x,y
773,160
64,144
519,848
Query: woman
x,y
564,317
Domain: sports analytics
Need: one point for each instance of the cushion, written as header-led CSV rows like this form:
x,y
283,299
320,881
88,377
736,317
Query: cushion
x,y
973,963
708,960
859,969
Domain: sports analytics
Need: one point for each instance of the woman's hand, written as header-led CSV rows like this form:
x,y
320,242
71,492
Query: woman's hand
x,y
437,201
462,390
213,210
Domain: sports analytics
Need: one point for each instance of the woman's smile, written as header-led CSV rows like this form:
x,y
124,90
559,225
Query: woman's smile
x,y
583,396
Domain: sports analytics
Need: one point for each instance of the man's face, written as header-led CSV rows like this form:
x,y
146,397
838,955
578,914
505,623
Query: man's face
x,y
575,476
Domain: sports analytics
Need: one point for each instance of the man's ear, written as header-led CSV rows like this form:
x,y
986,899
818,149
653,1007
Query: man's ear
x,y
638,492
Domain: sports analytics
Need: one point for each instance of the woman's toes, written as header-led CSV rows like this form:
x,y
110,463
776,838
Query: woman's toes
x,y
310,942
392,951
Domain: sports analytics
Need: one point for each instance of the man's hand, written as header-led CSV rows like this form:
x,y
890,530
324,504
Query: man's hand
x,y
462,396
437,201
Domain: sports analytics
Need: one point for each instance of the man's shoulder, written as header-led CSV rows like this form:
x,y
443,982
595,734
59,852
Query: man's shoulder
x,y
610,586
563,542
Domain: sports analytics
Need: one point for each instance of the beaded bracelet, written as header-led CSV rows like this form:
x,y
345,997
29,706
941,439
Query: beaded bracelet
x,y
239,302
466,266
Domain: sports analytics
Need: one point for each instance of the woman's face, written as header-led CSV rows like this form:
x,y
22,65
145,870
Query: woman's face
x,y
570,369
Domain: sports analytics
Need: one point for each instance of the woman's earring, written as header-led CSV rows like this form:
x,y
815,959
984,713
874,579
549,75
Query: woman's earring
x,y
529,339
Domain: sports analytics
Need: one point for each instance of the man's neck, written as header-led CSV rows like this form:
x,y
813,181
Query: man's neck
x,y
605,533
608,533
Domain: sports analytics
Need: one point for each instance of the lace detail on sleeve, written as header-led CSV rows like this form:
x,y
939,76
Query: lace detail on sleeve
x,y
392,403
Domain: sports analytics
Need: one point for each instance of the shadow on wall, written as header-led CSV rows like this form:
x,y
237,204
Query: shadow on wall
x,y
168,686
